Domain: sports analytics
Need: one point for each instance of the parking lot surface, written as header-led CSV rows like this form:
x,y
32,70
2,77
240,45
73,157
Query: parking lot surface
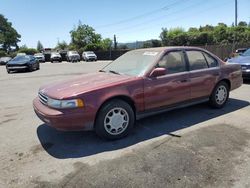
x,y
192,147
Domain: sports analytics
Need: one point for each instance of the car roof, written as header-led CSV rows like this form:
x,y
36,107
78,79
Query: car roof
x,y
167,48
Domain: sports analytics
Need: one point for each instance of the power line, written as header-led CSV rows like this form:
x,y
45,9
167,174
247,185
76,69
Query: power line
x,y
157,18
207,9
166,7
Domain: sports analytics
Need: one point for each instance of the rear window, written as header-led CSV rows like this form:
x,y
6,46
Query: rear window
x,y
196,60
211,61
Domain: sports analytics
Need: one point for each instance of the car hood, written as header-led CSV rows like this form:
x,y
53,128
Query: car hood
x,y
55,56
83,84
240,60
17,62
73,55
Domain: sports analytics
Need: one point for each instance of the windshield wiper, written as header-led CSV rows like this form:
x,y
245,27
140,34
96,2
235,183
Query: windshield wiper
x,y
114,72
102,71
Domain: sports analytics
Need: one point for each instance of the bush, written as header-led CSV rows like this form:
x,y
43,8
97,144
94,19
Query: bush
x,y
2,53
28,51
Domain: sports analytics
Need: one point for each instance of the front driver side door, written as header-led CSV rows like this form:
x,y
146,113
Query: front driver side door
x,y
171,88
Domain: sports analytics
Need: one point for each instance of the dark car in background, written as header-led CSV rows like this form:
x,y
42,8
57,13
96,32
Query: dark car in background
x,y
4,60
21,63
244,60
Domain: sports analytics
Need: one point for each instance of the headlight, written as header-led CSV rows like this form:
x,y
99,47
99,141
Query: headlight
x,y
75,103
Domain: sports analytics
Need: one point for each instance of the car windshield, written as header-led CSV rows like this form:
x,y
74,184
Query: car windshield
x,y
89,53
73,52
246,53
38,54
21,58
134,63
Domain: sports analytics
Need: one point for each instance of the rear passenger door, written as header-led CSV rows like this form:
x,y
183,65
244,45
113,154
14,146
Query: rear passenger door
x,y
204,72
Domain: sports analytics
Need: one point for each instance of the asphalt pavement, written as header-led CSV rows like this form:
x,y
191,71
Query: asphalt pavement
x,y
191,147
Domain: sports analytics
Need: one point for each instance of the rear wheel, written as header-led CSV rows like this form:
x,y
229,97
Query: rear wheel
x,y
219,95
115,120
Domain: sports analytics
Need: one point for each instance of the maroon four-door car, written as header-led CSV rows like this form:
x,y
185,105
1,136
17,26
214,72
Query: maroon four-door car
x,y
140,83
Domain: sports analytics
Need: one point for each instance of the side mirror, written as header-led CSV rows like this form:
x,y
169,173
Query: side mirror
x,y
158,72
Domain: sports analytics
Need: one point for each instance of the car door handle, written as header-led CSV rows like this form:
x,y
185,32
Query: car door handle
x,y
185,80
182,81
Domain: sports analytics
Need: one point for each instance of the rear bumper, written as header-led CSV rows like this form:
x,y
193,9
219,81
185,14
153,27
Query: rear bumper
x,y
63,120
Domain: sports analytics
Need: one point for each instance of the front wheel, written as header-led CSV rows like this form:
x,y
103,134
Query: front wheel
x,y
219,95
115,120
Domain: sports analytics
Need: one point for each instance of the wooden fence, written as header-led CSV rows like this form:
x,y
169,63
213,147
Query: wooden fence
x,y
222,51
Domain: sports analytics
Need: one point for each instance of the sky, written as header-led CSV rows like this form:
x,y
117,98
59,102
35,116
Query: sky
x,y
51,21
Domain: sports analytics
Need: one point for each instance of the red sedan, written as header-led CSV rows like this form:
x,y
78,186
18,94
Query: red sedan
x,y
139,83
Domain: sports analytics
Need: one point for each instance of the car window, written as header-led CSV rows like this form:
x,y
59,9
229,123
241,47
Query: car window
x,y
174,62
196,60
210,60
246,53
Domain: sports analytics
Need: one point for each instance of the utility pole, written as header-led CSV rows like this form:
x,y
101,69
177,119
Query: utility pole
x,y
236,13
115,43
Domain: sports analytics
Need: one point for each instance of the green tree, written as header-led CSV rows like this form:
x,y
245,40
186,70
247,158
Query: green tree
x,y
177,37
84,35
39,46
9,37
62,45
28,51
164,36
242,24
106,44
152,43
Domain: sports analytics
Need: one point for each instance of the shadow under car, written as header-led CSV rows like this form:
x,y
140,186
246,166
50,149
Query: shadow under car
x,y
64,145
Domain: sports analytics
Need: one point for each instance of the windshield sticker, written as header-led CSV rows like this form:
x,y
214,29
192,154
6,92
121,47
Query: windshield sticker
x,y
150,53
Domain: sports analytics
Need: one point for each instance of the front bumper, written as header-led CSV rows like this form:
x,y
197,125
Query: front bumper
x,y
66,120
91,58
17,67
74,58
56,59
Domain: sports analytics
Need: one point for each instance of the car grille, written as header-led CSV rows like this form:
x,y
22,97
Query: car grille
x,y
245,67
16,65
43,98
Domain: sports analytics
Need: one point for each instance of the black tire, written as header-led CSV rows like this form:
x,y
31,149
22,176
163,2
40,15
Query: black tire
x,y
106,109
8,71
51,61
216,101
